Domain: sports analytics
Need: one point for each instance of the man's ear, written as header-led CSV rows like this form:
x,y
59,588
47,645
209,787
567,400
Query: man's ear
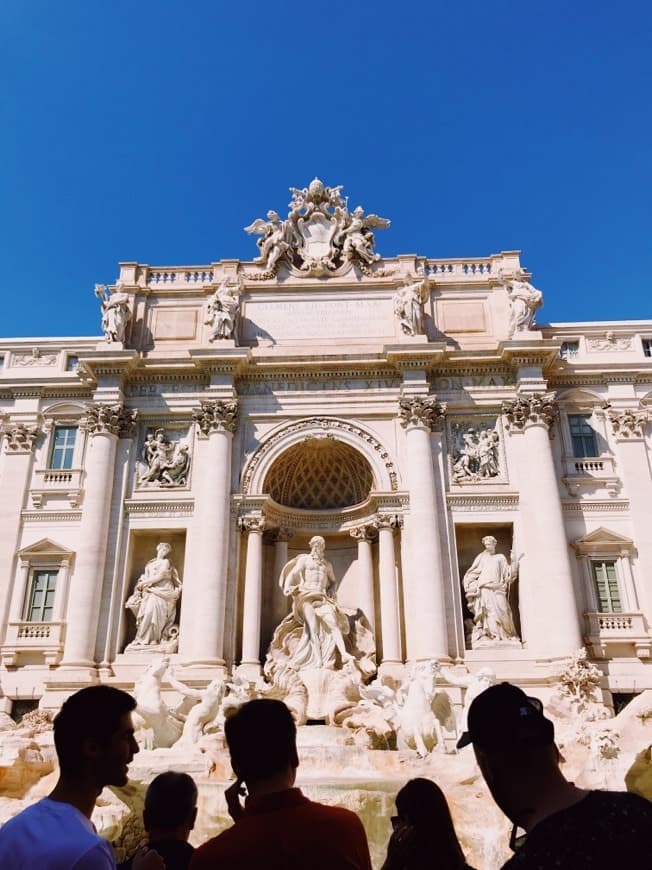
x,y
91,749
193,819
294,757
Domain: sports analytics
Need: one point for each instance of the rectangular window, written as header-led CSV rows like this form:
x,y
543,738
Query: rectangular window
x,y
41,599
582,435
647,346
569,349
606,587
63,447
71,363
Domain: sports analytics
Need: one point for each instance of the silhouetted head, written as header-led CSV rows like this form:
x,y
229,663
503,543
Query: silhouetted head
x,y
422,804
94,735
170,806
514,744
262,740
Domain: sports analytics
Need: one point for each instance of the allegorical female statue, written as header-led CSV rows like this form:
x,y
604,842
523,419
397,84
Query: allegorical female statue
x,y
154,604
487,584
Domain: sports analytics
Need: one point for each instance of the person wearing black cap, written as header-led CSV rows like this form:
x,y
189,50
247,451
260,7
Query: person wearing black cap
x,y
566,826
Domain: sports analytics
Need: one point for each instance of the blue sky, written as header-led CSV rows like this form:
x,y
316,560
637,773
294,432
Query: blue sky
x,y
155,131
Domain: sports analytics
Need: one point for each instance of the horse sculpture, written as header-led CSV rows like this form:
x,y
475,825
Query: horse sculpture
x,y
417,727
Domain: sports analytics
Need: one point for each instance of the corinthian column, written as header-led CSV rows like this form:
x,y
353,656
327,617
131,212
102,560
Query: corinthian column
x,y
253,526
105,423
201,630
16,463
364,535
549,615
629,431
389,620
426,632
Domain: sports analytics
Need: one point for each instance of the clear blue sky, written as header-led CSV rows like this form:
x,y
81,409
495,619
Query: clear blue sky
x,y
154,131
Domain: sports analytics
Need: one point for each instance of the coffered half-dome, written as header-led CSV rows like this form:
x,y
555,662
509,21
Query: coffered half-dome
x,y
319,474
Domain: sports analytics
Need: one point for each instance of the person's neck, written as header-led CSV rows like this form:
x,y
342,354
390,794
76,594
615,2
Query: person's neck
x,y
78,791
280,782
552,797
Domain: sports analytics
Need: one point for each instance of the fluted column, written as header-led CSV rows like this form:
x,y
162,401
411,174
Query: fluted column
x,y
19,443
105,423
628,425
549,613
364,535
201,630
426,631
253,526
389,614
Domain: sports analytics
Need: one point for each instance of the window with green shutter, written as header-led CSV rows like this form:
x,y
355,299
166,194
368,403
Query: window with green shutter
x,y
606,587
41,598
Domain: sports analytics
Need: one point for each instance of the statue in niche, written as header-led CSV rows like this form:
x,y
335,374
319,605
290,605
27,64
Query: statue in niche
x,y
115,312
154,604
408,306
222,312
165,463
487,584
475,453
524,300
319,641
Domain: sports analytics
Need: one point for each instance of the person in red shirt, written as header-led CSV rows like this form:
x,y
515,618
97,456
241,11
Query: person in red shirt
x,y
278,828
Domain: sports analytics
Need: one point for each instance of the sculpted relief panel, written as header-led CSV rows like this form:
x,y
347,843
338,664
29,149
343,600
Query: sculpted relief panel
x,y
164,460
476,451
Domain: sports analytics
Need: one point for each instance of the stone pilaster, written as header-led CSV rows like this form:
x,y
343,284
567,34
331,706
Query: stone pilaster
x,y
365,535
628,425
105,423
389,609
253,526
201,633
546,576
422,418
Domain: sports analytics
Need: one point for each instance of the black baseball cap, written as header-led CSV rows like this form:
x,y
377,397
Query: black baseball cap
x,y
504,717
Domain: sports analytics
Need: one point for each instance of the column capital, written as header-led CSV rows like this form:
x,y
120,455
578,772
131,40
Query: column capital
x,y
280,534
627,423
387,521
216,415
421,412
110,419
530,409
252,523
20,437
363,533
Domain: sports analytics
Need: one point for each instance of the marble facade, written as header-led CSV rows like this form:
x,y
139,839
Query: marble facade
x,y
401,408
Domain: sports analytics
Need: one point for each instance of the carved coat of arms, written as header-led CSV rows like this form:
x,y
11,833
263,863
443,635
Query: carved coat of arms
x,y
320,235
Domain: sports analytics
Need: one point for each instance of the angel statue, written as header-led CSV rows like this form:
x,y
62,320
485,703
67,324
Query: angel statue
x,y
356,238
274,241
222,312
115,312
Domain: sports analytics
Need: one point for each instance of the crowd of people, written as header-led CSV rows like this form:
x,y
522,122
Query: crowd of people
x,y
555,823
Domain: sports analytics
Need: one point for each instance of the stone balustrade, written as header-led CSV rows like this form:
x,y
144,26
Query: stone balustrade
x,y
25,638
607,631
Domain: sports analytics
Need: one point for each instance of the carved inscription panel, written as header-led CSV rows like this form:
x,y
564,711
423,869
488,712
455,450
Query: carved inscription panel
x,y
311,319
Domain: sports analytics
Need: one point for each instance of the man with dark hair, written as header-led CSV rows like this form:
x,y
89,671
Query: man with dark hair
x,y
94,740
169,816
566,826
278,828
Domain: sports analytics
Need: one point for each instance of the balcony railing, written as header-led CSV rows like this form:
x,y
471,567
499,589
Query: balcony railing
x,y
45,638
56,481
590,472
607,630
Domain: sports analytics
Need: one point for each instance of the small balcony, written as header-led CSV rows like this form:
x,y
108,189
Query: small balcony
x,y
609,634
55,483
585,473
34,640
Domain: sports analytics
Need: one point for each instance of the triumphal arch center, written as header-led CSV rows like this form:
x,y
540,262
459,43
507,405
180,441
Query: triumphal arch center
x,y
313,469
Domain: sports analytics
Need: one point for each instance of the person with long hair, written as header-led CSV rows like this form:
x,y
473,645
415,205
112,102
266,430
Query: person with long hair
x,y
424,837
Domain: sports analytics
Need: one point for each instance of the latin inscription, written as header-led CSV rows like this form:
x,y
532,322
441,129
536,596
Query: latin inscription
x,y
326,318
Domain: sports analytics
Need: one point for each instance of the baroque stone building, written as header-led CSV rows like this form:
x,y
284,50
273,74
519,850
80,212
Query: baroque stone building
x,y
404,409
